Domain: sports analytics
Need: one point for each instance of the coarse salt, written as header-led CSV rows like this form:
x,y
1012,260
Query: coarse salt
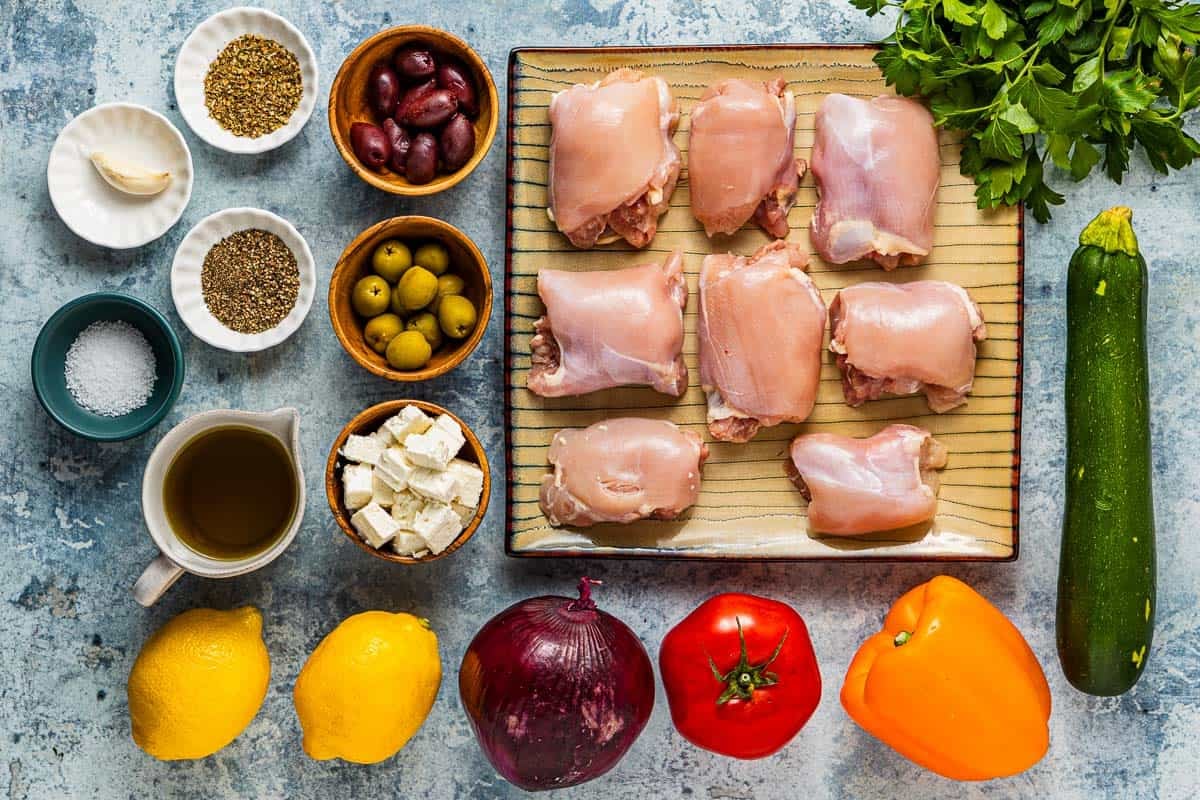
x,y
110,368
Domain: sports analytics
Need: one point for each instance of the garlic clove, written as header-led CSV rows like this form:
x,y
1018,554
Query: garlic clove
x,y
129,177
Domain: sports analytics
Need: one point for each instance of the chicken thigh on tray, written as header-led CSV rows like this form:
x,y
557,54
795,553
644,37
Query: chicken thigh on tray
x,y
613,165
904,338
876,164
761,327
854,486
740,159
621,470
610,328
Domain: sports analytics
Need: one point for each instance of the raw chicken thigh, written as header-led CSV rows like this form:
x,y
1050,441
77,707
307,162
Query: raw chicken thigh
x,y
856,486
876,163
622,470
613,165
740,161
761,327
610,328
904,338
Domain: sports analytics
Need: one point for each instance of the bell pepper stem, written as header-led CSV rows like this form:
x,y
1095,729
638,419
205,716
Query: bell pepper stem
x,y
902,638
741,681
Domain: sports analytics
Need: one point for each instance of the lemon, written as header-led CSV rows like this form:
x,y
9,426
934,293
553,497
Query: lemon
x,y
198,682
368,687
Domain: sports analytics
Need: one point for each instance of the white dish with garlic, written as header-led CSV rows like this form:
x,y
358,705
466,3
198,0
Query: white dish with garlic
x,y
405,486
120,175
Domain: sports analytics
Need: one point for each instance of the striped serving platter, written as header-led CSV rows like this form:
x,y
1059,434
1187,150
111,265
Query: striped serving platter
x,y
747,508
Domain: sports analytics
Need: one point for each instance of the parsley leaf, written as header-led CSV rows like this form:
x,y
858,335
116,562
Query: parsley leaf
x,y
1080,83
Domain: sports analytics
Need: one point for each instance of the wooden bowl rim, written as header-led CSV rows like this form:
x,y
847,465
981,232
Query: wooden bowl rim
x,y
442,181
465,346
376,414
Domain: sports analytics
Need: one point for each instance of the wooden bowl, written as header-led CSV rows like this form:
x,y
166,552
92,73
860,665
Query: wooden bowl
x,y
465,261
369,421
348,103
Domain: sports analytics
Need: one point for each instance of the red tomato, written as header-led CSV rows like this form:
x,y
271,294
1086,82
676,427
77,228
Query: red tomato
x,y
740,694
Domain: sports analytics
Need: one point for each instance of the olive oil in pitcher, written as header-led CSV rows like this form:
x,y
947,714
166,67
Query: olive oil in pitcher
x,y
230,493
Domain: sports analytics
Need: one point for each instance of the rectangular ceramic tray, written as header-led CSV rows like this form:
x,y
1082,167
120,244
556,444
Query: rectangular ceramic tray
x,y
747,507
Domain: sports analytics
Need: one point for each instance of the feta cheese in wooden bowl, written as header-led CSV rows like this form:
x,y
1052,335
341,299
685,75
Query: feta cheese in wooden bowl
x,y
407,481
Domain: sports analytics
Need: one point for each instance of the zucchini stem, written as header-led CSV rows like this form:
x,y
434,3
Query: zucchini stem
x,y
1112,232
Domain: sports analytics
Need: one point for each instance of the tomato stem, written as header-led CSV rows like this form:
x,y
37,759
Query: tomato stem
x,y
741,681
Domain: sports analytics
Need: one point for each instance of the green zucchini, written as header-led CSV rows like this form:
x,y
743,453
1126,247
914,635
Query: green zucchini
x,y
1106,578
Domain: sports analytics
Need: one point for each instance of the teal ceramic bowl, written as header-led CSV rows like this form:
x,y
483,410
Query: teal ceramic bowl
x,y
49,363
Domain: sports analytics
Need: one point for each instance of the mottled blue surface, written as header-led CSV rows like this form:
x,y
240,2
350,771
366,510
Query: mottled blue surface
x,y
72,539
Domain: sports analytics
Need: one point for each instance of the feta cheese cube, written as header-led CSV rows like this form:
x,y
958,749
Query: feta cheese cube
x,y
356,483
410,420
448,423
438,525
383,437
381,493
363,449
408,543
433,484
394,468
468,479
464,513
374,525
432,449
405,508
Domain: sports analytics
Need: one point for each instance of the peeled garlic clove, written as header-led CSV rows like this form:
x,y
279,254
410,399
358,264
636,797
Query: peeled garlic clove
x,y
129,177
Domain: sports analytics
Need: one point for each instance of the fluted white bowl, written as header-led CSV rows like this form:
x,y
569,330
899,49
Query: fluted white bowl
x,y
189,263
92,208
203,46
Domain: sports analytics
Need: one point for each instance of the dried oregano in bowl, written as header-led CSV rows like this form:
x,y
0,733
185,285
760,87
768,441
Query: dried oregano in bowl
x,y
253,87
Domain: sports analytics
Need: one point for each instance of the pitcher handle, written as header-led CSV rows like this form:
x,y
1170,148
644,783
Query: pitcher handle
x,y
159,576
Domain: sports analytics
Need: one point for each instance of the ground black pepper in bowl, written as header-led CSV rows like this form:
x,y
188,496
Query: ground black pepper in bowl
x,y
253,87
250,281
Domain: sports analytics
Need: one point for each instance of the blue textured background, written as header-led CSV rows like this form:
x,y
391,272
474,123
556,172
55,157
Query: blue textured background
x,y
72,540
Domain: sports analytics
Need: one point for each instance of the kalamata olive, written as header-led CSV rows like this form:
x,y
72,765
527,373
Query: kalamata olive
x,y
400,141
411,97
429,110
454,77
421,165
383,89
370,144
457,142
414,62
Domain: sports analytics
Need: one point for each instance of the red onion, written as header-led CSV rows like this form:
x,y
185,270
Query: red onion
x,y
557,690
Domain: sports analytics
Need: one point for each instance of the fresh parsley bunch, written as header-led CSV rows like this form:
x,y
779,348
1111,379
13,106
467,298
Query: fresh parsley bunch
x,y
1095,77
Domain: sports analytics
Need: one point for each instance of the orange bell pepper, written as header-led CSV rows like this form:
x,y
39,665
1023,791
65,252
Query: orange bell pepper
x,y
951,684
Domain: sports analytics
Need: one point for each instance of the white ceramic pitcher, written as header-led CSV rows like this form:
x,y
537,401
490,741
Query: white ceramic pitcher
x,y
176,558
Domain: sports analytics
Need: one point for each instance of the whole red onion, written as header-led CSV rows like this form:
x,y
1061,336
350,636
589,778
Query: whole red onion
x,y
557,690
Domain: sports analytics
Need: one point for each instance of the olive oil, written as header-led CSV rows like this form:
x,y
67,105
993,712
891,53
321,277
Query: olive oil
x,y
230,493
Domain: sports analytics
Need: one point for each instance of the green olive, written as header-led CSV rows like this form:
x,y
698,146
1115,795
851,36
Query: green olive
x,y
381,330
416,288
371,296
391,259
457,316
427,324
409,350
447,284
433,257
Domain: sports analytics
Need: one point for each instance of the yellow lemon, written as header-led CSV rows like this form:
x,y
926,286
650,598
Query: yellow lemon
x,y
368,687
198,682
